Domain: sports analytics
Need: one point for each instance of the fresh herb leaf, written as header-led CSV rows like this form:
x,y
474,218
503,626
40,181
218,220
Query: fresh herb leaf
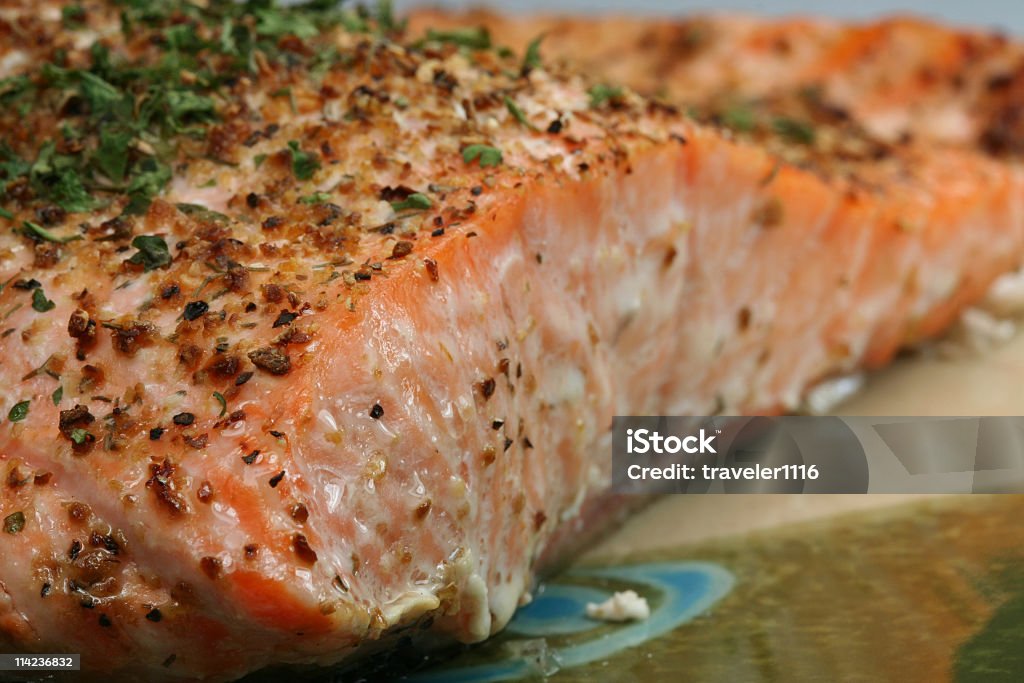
x,y
472,37
488,156
304,164
601,93
80,436
222,401
274,23
72,16
19,412
40,303
150,177
44,234
739,118
57,395
532,59
517,113
112,154
258,160
416,202
4,213
152,252
201,212
315,198
794,131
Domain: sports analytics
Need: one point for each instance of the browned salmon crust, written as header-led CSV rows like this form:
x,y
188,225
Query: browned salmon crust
x,y
312,333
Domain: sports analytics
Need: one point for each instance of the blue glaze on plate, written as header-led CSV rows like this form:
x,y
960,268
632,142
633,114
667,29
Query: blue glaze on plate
x,y
678,592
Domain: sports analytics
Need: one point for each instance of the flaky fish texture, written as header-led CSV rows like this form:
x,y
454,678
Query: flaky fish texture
x,y
311,332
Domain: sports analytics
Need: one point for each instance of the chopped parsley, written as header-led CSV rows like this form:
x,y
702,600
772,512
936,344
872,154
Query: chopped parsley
x,y
472,37
304,164
80,436
315,198
35,230
794,131
487,155
222,401
19,412
415,202
517,113
601,93
57,395
152,252
40,303
532,60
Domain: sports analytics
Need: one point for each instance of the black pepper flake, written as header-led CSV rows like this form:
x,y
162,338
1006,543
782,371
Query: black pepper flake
x,y
195,309
299,512
184,419
251,551
362,276
169,661
27,285
285,318
250,307
476,190
431,266
243,378
154,615
302,549
75,550
45,590
155,433
272,360
486,388
508,443
251,458
497,424
105,621
555,127
376,412
437,232
527,443
276,434
252,200
401,249
170,291
276,479
210,566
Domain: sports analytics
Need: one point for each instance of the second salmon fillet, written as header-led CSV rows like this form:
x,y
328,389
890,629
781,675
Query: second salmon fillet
x,y
359,374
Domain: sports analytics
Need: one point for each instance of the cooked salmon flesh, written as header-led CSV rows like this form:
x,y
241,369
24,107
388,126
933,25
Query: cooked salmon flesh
x,y
312,330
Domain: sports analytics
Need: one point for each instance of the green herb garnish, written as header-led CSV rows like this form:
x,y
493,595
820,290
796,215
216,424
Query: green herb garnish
x,y
601,93
304,164
152,252
40,303
474,38
42,233
57,395
222,401
20,410
794,131
532,59
416,201
517,113
488,156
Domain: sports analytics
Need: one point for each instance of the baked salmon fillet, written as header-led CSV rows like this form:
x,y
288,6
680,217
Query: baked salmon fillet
x,y
311,333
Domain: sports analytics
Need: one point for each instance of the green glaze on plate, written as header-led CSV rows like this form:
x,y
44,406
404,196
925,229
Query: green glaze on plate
x,y
932,591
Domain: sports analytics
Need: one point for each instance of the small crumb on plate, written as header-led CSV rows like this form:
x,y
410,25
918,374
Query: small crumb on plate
x,y
623,606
